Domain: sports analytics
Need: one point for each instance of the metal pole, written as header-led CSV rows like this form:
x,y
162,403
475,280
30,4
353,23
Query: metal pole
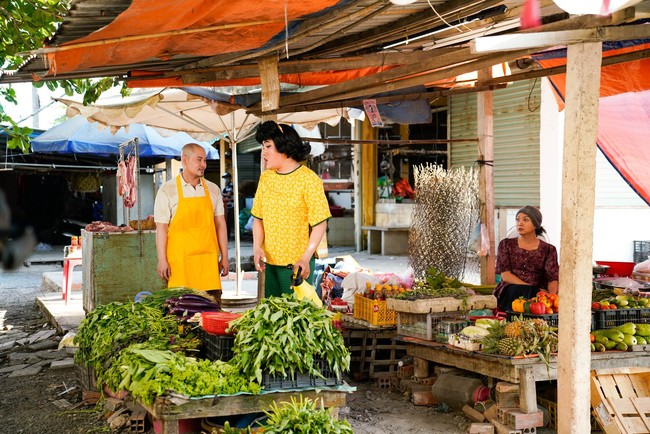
x,y
235,179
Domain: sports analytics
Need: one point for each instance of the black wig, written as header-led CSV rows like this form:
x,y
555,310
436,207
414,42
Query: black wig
x,y
286,140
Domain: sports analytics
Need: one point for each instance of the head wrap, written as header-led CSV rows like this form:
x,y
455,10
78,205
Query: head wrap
x,y
535,216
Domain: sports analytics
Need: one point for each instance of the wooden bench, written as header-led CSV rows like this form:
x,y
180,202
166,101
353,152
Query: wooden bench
x,y
387,240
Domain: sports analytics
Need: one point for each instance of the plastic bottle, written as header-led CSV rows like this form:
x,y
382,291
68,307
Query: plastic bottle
x,y
457,391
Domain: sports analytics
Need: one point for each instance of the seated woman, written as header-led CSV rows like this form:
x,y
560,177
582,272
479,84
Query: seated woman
x,y
526,263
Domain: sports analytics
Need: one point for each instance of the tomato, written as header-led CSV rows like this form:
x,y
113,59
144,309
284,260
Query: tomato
x,y
592,338
552,296
613,306
595,305
556,303
549,310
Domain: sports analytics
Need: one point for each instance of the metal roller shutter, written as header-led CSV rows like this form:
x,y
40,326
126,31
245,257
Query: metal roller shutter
x,y
516,140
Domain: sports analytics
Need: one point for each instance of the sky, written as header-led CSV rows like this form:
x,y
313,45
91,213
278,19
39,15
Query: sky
x,y
47,118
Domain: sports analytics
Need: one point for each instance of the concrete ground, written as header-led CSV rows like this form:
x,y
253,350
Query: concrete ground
x,y
67,316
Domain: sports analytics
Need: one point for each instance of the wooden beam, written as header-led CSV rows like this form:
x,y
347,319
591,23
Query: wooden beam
x,y
587,21
233,72
354,89
432,96
578,201
485,131
609,60
500,43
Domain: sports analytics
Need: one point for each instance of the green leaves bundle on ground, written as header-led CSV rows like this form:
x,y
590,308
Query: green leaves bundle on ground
x,y
148,373
302,417
282,333
114,326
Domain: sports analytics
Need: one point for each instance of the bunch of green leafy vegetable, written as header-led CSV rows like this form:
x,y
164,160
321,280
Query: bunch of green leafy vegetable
x,y
114,326
435,285
302,417
283,334
148,373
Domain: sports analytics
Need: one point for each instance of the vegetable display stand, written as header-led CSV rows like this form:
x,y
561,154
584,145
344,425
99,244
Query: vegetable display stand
x,y
174,416
525,371
216,347
443,304
114,269
606,319
620,399
301,380
372,353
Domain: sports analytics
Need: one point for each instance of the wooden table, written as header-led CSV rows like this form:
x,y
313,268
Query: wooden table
x,y
169,414
522,371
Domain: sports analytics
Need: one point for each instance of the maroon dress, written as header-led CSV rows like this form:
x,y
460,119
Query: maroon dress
x,y
537,267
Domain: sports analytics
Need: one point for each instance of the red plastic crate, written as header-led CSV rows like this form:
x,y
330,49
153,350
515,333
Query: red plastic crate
x,y
216,323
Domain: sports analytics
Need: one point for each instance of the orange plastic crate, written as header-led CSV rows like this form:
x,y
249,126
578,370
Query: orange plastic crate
x,y
217,322
376,312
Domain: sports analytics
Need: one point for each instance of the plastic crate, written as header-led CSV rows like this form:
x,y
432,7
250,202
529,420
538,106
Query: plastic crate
x,y
551,407
376,312
605,319
217,347
301,380
423,325
216,323
641,251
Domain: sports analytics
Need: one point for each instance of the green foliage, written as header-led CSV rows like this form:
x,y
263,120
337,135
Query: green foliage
x,y
114,326
283,333
147,373
302,417
24,26
435,285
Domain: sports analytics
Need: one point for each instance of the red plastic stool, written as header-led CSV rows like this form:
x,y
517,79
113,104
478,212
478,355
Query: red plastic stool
x,y
68,267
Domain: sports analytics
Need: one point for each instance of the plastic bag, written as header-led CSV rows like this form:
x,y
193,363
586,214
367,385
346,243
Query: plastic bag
x,y
642,267
474,239
484,242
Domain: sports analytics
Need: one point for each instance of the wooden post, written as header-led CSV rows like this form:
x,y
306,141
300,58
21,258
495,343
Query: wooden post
x,y
578,198
485,130
368,173
270,83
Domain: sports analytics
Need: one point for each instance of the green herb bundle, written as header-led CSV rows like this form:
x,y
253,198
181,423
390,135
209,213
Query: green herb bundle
x,y
302,417
148,373
435,285
283,334
114,326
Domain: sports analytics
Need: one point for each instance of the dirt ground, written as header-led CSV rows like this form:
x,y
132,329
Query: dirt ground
x,y
31,404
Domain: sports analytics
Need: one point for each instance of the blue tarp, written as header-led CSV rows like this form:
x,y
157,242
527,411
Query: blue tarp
x,y
78,136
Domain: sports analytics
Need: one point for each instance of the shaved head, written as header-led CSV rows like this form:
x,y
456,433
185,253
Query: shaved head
x,y
190,148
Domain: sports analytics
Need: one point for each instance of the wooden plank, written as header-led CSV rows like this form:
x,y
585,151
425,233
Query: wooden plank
x,y
163,409
270,82
642,406
625,386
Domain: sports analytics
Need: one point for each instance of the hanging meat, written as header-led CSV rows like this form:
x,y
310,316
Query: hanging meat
x,y
126,181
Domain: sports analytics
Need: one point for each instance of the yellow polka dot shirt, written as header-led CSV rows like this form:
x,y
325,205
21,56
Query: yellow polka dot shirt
x,y
289,204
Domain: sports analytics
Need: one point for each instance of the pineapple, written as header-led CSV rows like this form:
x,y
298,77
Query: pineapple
x,y
510,347
513,329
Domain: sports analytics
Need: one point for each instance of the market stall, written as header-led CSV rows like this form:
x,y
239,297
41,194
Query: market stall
x,y
181,359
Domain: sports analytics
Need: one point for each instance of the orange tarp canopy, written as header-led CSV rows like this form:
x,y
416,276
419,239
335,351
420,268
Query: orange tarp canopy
x,y
239,25
623,112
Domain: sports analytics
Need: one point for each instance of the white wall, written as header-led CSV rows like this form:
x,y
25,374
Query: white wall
x,y
551,139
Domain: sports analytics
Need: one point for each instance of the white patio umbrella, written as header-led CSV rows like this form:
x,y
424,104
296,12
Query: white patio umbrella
x,y
204,117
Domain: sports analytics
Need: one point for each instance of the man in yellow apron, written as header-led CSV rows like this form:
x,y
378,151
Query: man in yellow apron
x,y
191,227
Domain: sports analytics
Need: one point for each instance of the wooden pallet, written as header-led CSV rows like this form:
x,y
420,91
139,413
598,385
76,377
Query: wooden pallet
x,y
372,353
620,399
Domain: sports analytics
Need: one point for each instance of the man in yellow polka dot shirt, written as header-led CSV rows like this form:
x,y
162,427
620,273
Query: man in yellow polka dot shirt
x,y
290,209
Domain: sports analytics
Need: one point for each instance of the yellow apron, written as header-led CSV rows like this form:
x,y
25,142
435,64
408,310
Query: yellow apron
x,y
192,248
